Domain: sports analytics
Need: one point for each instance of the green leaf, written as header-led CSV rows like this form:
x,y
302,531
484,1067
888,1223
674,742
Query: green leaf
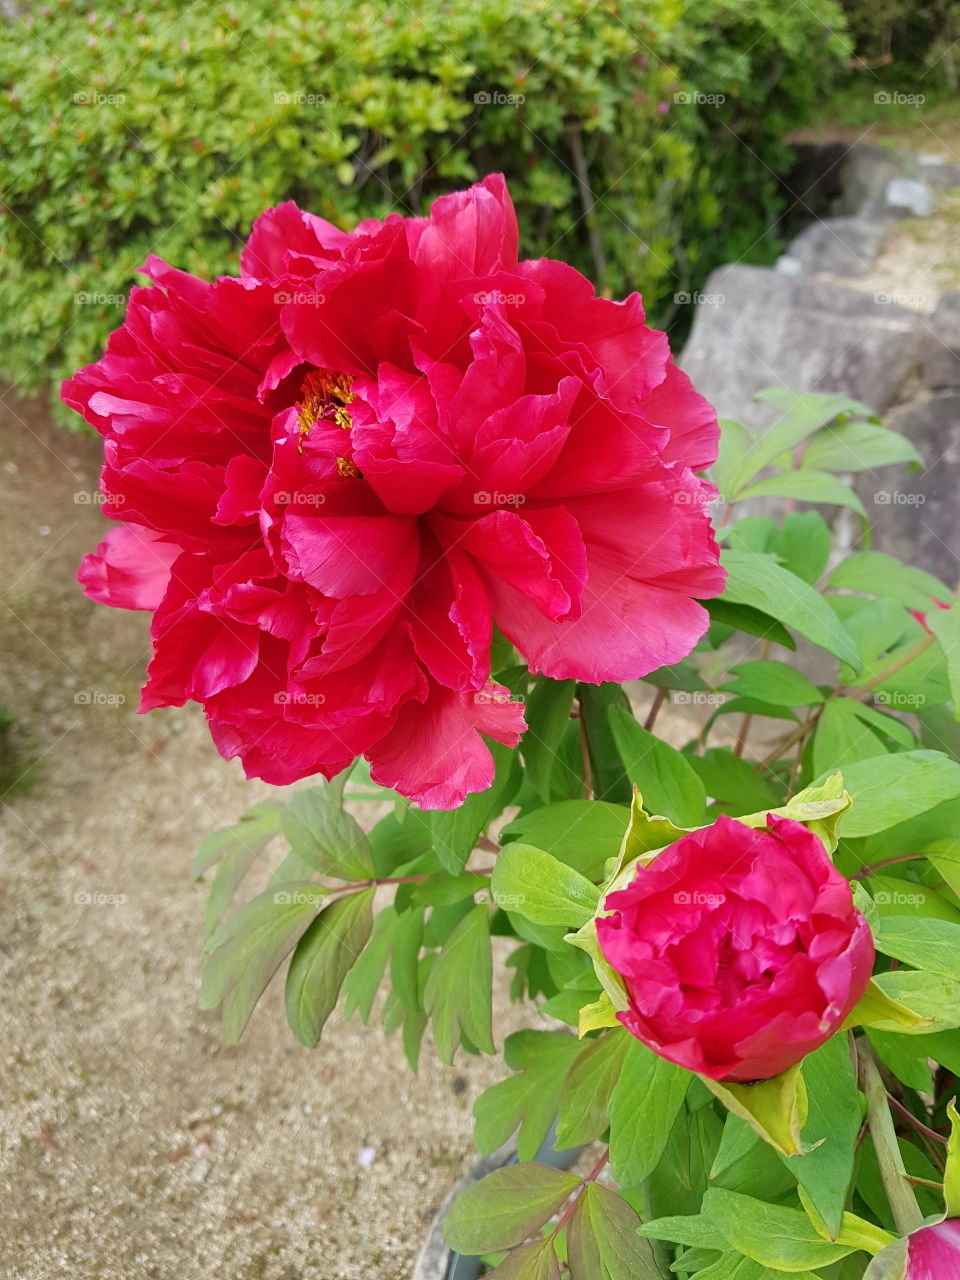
x,y
733,783
843,737
775,1108
928,944
833,1122
602,1240
398,838
669,784
535,1261
581,833
735,441
585,1097
547,715
459,991
776,1237
325,836
773,682
541,888
755,622
931,996
758,581
807,485
528,1099
945,625
405,960
696,1231
608,776
888,790
256,828
858,446
643,1107
363,981
803,544
455,831
324,956
504,1208
249,949
877,574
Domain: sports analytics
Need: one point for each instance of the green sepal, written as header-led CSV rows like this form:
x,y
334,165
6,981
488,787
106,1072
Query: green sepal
x,y
775,1108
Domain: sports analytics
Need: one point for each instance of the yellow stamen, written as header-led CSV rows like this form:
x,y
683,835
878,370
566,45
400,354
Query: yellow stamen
x,y
324,396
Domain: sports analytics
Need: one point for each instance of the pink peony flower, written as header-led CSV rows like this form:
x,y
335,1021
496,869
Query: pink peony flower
x,y
337,471
931,1253
741,950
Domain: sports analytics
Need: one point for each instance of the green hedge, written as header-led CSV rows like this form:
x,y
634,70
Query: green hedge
x,y
168,128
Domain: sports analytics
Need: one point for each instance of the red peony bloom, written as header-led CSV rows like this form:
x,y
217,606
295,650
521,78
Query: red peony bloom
x,y
337,471
741,950
931,1253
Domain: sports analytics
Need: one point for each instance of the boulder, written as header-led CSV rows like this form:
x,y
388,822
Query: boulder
x,y
769,329
838,246
908,198
915,515
940,345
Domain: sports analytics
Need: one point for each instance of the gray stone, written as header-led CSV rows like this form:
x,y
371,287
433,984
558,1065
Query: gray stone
x,y
915,515
912,197
838,246
937,172
864,174
770,329
940,345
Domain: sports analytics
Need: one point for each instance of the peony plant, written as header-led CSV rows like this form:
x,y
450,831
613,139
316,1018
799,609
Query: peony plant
x,y
408,513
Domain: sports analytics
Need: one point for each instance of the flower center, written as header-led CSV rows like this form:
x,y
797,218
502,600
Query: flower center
x,y
324,397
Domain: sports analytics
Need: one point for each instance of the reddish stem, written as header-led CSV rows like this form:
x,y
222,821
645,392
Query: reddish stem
x,y
575,1200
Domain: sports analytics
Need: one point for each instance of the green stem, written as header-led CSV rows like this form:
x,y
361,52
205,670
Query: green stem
x,y
893,1173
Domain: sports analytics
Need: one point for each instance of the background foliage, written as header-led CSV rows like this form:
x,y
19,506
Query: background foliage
x,y
167,128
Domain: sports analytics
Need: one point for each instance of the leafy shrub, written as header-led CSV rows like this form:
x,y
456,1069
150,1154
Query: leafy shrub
x,y
167,129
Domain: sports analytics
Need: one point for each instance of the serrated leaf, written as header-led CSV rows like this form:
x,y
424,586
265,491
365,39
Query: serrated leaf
x,y
758,581
325,836
539,887
527,1099
248,950
602,1240
459,991
645,1102
504,1208
324,956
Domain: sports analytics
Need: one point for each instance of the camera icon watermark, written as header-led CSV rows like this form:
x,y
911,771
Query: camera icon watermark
x,y
284,498
485,498
284,99
298,698
697,498
496,297
299,897
86,899
486,697
495,98
696,898
508,901
894,698
84,299
693,98
93,98
94,498
300,298
895,898
898,498
893,98
697,299
697,698
913,301
98,698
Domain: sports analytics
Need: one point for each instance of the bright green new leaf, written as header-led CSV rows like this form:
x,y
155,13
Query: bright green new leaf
x,y
891,789
776,1237
775,1108
582,833
932,999
924,943
506,1207
536,885
324,956
945,625
951,1178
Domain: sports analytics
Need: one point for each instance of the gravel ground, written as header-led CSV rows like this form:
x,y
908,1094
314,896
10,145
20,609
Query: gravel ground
x,y
133,1143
